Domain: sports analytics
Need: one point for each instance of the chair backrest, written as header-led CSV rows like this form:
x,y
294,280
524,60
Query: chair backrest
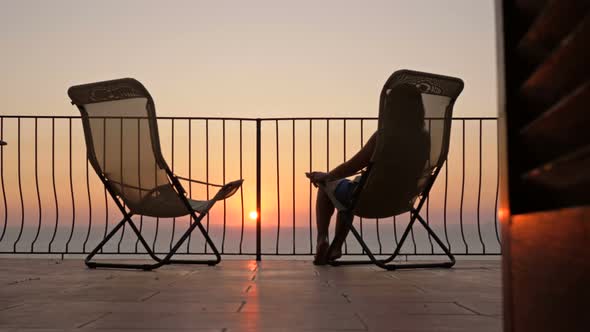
x,y
123,147
405,162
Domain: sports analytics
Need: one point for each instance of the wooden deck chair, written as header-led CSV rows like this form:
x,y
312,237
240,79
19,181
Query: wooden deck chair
x,y
123,147
390,185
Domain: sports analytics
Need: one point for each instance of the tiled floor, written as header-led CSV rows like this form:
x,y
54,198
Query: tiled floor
x,y
50,295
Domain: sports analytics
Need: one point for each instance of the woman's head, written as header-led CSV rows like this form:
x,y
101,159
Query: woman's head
x,y
404,101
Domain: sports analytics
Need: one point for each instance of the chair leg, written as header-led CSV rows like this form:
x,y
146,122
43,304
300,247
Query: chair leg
x,y
159,261
196,223
88,261
402,240
384,263
146,246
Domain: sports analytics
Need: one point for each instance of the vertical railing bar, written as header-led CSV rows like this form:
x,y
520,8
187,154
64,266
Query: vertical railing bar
x,y
139,177
140,231
479,189
190,184
428,198
310,189
20,190
428,223
53,179
241,191
344,160
362,144
395,230
378,236
157,218
122,179
293,181
71,185
224,201
2,180
413,238
497,190
154,249
172,169
445,203
258,191
89,206
463,189
37,187
207,171
328,157
104,163
278,188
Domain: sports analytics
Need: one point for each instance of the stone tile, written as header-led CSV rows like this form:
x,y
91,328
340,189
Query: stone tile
x,y
44,319
490,308
131,307
298,307
420,322
248,320
414,308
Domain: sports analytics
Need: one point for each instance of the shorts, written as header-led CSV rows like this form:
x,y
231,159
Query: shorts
x,y
344,190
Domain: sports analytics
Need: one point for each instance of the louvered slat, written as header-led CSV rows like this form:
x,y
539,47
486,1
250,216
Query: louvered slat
x,y
563,71
560,130
554,23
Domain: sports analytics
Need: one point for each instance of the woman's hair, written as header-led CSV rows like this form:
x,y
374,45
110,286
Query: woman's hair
x,y
405,101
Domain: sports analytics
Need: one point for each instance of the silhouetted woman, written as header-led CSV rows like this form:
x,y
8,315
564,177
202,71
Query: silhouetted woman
x,y
405,103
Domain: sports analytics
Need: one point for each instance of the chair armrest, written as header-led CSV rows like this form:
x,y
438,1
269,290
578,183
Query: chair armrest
x,y
228,190
197,181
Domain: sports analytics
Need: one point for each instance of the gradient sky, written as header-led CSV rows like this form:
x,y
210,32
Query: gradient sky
x,y
244,58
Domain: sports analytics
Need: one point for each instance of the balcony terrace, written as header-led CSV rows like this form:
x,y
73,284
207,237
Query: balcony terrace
x,y
54,210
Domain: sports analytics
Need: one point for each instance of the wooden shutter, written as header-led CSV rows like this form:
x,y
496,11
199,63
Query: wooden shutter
x,y
545,140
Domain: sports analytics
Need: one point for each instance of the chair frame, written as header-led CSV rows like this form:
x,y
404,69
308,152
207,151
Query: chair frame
x,y
195,216
196,222
346,213
386,264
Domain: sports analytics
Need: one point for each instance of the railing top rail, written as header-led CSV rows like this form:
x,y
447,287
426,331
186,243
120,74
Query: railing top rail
x,y
227,118
368,118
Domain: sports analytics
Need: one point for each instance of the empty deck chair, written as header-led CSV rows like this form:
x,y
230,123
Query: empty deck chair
x,y
123,147
389,186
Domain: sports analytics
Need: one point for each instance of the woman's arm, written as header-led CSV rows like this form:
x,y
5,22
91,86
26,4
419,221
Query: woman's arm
x,y
350,167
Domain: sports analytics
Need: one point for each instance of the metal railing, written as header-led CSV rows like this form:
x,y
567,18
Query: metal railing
x,y
52,203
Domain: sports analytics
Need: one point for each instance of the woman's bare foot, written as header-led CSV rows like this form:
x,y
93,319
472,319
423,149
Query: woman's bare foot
x,y
335,254
321,255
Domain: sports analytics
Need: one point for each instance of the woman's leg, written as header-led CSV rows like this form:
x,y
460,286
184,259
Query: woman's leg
x,y
343,193
324,210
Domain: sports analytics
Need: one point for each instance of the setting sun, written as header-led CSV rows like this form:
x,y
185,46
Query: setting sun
x,y
253,215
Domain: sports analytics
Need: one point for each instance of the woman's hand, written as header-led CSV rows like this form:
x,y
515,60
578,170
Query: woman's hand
x,y
317,177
